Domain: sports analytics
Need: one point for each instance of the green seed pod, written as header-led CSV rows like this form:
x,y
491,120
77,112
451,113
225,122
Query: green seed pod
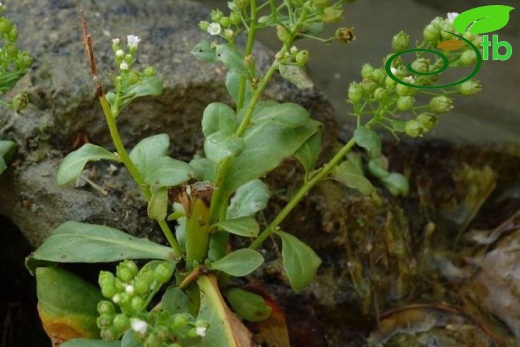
x,y
427,120
405,103
105,306
369,86
153,341
144,280
163,272
366,71
109,334
400,41
331,14
440,104
320,4
12,36
468,57
234,17
150,71
105,320
224,21
124,274
138,303
345,35
107,284
379,75
241,4
390,83
302,57
121,322
283,34
203,25
421,65
446,28
470,87
403,90
10,50
380,94
413,128
432,34
355,92
216,15
5,25
23,61
19,102
180,321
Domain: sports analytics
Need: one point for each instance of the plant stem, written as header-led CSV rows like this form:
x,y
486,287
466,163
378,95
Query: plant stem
x,y
130,166
302,192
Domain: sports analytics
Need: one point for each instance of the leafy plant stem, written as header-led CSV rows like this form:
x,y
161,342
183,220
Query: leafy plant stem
x,y
125,158
305,188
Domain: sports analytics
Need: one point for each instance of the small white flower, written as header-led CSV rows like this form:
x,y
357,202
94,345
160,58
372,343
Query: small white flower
x,y
116,298
123,66
139,326
214,29
116,41
451,16
129,289
393,70
201,331
409,79
120,53
132,40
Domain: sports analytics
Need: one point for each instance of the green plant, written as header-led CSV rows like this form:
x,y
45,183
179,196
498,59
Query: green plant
x,y
220,194
14,64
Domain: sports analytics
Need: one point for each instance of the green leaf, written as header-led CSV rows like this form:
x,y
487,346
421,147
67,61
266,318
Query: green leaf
x,y
74,242
158,204
225,329
267,144
483,19
203,50
248,199
231,57
288,114
243,226
130,340
369,140
296,75
250,306
148,151
233,86
397,184
67,304
377,169
239,263
90,343
350,175
204,169
74,162
7,152
168,172
175,300
299,261
221,145
309,152
218,117
147,86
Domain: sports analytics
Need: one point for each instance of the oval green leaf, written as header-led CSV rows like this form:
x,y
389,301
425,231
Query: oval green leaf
x,y
369,140
296,75
158,204
249,199
239,263
204,51
218,117
74,242
309,152
299,261
230,56
243,226
7,152
221,145
250,306
483,19
350,175
288,114
74,162
168,172
146,153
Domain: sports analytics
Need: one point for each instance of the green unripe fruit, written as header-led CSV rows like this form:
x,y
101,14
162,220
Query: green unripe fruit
x,y
432,34
302,57
163,272
403,90
5,25
400,41
468,57
109,334
180,321
469,87
148,72
405,103
283,34
203,25
105,306
427,120
379,75
421,65
366,71
13,34
241,4
216,15
331,14
153,341
369,86
23,61
355,92
446,29
121,322
225,22
124,274
379,94
104,320
413,128
440,104
138,303
320,4
107,284
234,18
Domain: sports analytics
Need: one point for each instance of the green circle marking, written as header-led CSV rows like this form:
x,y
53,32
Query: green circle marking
x,y
445,65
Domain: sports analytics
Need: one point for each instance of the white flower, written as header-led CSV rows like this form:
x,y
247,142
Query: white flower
x,y
129,289
132,40
393,70
139,326
409,79
451,16
201,331
116,41
214,29
120,53
123,66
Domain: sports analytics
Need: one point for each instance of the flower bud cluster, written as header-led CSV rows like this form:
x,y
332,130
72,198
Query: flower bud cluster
x,y
14,63
226,25
129,291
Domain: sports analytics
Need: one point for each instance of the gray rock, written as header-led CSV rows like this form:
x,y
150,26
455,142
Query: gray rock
x,y
63,105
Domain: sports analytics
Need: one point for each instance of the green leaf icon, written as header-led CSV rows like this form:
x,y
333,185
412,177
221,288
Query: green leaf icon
x,y
483,19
